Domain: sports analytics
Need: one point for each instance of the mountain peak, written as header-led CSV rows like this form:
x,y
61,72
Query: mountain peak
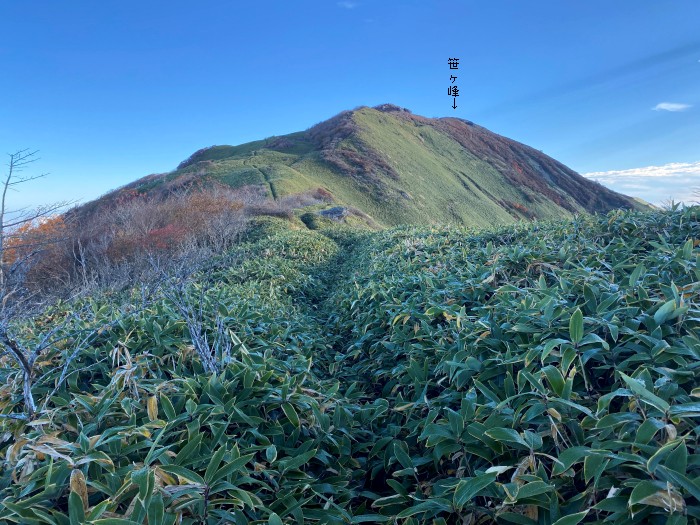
x,y
390,108
400,167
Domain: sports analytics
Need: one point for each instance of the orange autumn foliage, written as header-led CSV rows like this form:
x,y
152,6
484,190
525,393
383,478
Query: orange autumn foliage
x,y
33,237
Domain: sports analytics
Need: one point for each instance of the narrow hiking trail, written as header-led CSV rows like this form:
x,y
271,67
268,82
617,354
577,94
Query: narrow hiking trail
x,y
321,306
268,181
265,176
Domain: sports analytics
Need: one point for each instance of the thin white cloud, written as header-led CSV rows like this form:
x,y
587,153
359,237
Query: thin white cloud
x,y
678,181
348,5
671,169
671,106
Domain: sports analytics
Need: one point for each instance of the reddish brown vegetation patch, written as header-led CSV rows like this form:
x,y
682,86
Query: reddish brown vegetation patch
x,y
529,169
518,211
354,158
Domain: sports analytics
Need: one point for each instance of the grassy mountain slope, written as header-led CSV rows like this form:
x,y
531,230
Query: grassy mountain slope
x,y
401,168
527,374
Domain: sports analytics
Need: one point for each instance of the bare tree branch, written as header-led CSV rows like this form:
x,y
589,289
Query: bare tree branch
x,y
25,363
11,274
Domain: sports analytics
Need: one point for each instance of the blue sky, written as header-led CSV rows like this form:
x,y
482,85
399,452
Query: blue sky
x,y
111,91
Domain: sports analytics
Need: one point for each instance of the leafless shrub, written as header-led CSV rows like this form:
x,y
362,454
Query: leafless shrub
x,y
213,342
26,356
116,248
284,207
28,238
114,244
307,198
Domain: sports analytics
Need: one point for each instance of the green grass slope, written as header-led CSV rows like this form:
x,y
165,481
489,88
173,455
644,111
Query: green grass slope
x,y
527,374
401,168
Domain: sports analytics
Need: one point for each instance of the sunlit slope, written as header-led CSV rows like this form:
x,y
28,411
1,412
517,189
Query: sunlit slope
x,y
403,168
